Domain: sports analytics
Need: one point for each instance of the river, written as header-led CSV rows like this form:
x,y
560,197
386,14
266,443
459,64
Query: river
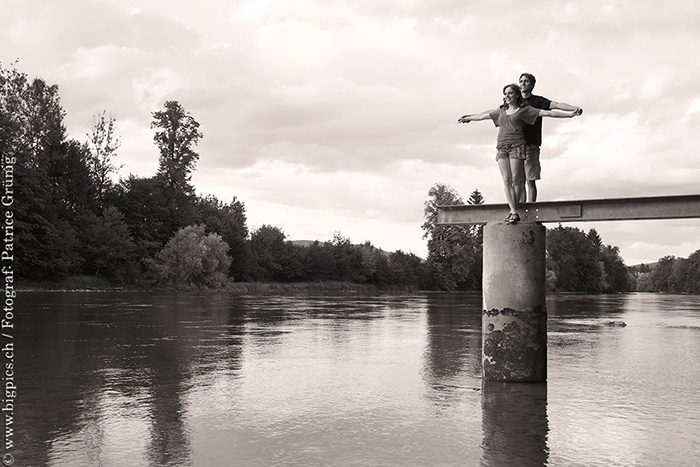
x,y
301,380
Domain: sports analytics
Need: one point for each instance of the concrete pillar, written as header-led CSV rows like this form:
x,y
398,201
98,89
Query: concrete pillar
x,y
514,314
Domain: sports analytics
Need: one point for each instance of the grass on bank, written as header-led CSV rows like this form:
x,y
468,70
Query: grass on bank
x,y
96,284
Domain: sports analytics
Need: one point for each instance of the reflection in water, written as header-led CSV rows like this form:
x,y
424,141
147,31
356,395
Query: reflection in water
x,y
118,378
143,379
514,423
169,443
453,352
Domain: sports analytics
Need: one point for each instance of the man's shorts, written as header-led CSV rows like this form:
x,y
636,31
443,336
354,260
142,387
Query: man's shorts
x,y
532,162
511,151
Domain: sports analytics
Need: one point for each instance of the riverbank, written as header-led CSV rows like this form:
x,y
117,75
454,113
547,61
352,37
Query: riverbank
x,y
95,284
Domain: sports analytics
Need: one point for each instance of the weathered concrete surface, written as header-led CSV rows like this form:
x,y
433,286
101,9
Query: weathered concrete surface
x,y
514,316
514,345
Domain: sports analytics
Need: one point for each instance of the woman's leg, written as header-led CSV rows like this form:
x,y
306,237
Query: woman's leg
x,y
517,170
506,174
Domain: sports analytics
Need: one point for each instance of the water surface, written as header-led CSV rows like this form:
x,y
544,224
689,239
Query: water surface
x,y
148,379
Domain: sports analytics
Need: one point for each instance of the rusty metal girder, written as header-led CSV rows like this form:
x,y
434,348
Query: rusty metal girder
x,y
611,209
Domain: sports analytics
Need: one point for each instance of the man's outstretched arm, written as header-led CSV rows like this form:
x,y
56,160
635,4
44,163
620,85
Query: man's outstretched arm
x,y
564,106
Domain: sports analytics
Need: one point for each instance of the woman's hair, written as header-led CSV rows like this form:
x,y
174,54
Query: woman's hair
x,y
519,99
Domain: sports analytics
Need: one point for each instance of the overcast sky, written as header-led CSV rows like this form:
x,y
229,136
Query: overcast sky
x,y
328,116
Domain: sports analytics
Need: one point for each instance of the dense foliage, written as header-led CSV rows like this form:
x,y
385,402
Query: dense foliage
x,y
579,262
671,274
454,251
192,259
73,216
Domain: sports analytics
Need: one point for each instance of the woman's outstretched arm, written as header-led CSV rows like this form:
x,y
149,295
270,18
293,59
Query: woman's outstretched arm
x,y
474,117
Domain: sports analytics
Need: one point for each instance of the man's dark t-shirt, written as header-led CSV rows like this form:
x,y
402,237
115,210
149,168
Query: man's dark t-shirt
x,y
533,133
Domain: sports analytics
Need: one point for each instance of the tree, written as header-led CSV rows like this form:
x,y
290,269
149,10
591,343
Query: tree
x,y
439,195
103,144
574,258
31,117
14,113
268,249
405,269
692,284
476,198
679,276
617,276
580,262
144,204
453,257
177,133
660,277
477,230
594,238
43,117
46,176
374,264
454,251
671,275
347,259
72,190
319,261
108,246
229,221
192,259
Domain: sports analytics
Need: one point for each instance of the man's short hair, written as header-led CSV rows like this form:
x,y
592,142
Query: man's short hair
x,y
529,76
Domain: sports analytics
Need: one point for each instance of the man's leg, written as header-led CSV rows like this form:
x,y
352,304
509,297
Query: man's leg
x,y
531,191
532,172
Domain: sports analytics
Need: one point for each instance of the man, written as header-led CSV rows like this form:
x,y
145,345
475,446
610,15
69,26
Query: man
x,y
533,134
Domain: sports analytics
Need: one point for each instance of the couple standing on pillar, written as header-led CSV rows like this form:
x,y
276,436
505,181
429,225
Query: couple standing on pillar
x,y
519,122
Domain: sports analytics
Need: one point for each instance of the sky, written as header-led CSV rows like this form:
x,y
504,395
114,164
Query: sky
x,y
338,116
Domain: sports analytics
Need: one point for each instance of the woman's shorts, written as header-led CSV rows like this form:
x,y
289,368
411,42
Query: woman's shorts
x,y
511,151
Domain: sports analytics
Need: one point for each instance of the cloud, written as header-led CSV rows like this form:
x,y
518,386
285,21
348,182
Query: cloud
x,y
341,115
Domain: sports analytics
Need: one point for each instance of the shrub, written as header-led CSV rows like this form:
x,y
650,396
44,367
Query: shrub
x,y
192,259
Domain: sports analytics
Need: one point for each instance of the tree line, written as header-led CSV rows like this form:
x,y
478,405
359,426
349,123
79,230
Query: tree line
x,y
73,216
576,261
670,275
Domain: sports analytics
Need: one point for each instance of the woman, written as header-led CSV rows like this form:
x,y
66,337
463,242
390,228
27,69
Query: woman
x,y
510,118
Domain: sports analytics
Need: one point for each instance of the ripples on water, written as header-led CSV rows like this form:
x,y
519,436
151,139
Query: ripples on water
x,y
383,380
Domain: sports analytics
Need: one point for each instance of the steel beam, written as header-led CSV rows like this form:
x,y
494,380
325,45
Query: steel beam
x,y
611,209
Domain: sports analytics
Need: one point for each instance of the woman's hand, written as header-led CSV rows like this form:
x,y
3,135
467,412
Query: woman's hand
x,y
475,117
464,119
